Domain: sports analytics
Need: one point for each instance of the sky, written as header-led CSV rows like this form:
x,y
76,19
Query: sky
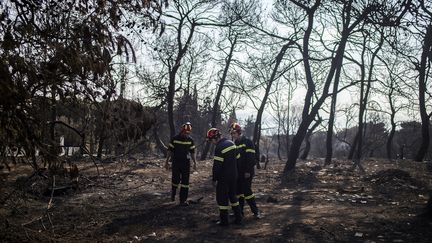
x,y
344,99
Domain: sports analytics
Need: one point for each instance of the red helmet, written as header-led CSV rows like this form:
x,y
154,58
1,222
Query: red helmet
x,y
235,127
213,133
186,128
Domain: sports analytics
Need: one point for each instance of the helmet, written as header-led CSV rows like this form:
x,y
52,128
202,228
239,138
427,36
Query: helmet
x,y
235,127
186,128
213,133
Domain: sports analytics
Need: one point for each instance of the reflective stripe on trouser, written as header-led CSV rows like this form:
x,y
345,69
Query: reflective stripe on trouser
x,y
223,213
244,190
226,198
180,178
252,205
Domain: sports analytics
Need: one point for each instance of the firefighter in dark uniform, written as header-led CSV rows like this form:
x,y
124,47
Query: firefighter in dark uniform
x,y
225,176
246,170
179,149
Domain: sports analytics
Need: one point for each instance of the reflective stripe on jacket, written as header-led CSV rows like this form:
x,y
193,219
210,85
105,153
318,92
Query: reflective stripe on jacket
x,y
225,160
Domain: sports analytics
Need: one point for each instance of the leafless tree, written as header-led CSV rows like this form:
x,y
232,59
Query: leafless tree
x,y
354,14
423,16
392,87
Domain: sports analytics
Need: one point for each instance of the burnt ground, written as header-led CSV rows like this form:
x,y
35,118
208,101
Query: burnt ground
x,y
129,202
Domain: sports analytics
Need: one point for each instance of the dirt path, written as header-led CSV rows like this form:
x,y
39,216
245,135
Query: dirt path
x,y
130,202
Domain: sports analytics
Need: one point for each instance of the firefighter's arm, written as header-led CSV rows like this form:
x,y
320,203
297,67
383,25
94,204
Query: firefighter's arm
x,y
217,168
192,151
217,165
250,156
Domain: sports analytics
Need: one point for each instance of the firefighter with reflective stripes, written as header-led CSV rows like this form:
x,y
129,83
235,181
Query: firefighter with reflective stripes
x,y
225,176
179,149
246,170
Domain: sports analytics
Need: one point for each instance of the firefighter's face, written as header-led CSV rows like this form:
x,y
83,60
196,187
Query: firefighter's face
x,y
235,135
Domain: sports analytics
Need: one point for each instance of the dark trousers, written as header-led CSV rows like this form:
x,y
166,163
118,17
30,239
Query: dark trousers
x,y
180,178
226,199
244,192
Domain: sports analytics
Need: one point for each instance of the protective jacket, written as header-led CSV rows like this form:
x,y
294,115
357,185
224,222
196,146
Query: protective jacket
x,y
225,173
246,162
225,161
181,146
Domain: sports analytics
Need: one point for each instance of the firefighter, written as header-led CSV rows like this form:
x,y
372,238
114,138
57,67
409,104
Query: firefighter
x,y
180,149
246,171
225,176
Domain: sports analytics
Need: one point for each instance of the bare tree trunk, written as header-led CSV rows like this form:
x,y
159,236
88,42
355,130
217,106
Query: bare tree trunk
x,y
353,146
364,94
425,118
83,144
159,144
329,140
309,113
363,103
392,132
170,101
182,49
279,143
288,125
100,146
215,110
91,141
428,208
52,152
258,121
307,139
257,150
102,136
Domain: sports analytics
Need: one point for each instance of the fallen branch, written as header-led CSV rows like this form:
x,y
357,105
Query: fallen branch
x,y
52,193
33,220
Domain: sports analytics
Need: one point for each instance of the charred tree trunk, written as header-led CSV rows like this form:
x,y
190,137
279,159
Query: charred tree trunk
x,y
170,102
362,107
364,94
309,113
392,131
279,144
425,118
353,147
329,140
428,211
159,144
215,110
182,49
53,148
102,133
258,121
288,126
307,139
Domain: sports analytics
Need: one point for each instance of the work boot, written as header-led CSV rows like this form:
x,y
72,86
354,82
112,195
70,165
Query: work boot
x,y
241,204
184,204
237,214
223,215
258,215
253,206
184,191
173,193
